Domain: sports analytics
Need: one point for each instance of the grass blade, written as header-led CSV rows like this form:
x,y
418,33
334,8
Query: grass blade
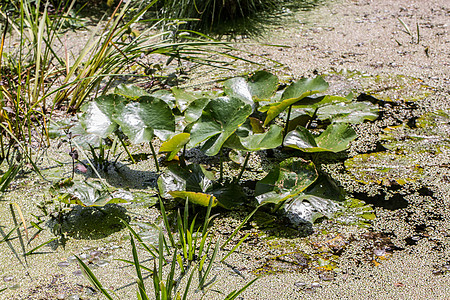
x,y
40,246
208,269
166,222
140,280
139,239
235,247
92,279
405,27
9,233
234,294
240,226
22,218
132,263
188,284
6,178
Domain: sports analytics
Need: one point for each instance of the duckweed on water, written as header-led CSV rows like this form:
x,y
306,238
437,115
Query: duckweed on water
x,y
383,168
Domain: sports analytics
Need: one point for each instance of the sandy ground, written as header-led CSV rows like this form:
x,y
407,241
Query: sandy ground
x,y
359,35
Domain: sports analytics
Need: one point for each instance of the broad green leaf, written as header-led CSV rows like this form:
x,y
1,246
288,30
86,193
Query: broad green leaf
x,y
88,194
308,208
141,120
196,198
245,139
166,96
335,138
82,138
196,184
294,93
175,144
262,141
301,139
286,180
316,102
195,109
262,85
130,91
193,178
97,117
353,112
220,119
237,87
323,198
229,196
257,125
183,98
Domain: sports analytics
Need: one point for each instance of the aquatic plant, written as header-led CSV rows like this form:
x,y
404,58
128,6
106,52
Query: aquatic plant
x,y
190,254
220,17
247,116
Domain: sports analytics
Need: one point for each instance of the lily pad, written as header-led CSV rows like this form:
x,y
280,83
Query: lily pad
x,y
196,184
229,195
193,178
141,120
130,91
383,168
166,96
183,98
175,144
285,181
88,194
195,109
262,85
303,210
295,92
196,198
355,212
431,135
335,138
321,199
245,139
353,112
220,119
97,116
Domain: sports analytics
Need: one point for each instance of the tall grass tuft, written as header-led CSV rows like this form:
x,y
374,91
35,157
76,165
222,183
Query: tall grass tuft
x,y
35,76
185,259
221,16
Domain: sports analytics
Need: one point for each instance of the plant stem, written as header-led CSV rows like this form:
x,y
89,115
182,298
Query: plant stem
x,y
126,150
312,118
154,157
286,127
243,167
221,166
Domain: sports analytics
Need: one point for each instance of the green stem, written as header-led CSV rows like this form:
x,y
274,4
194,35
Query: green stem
x,y
154,157
312,118
126,150
286,128
243,167
221,166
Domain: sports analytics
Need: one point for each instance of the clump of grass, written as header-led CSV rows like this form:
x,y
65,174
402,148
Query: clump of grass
x,y
221,17
193,252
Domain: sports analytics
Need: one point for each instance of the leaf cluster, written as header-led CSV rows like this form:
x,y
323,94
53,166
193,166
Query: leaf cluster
x,y
250,114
